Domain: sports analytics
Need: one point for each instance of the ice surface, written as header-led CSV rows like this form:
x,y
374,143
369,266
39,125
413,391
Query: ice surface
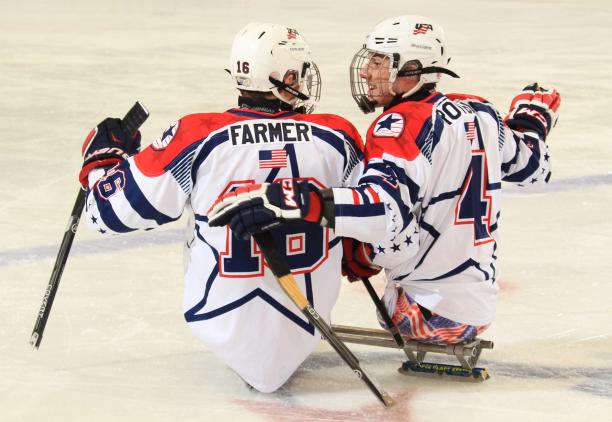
x,y
116,346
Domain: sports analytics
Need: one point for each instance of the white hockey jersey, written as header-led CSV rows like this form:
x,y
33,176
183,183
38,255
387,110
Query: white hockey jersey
x,y
429,200
232,300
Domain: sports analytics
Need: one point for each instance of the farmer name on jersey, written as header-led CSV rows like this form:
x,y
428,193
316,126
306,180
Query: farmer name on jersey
x,y
262,133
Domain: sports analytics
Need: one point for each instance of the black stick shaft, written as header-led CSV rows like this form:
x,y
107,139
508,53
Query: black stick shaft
x,y
131,122
382,309
280,268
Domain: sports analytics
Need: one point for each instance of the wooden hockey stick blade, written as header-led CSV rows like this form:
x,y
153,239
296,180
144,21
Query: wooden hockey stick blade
x,y
134,118
280,268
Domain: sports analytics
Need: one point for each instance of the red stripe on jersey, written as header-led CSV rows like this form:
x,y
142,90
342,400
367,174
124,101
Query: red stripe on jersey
x,y
192,128
459,97
333,122
373,194
195,127
356,199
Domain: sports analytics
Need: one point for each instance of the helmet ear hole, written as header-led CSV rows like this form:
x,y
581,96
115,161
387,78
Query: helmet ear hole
x,y
412,65
291,78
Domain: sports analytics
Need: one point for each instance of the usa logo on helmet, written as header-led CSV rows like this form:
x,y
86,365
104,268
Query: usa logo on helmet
x,y
291,34
422,28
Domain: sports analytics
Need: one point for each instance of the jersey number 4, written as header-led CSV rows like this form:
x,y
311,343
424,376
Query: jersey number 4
x,y
306,246
474,205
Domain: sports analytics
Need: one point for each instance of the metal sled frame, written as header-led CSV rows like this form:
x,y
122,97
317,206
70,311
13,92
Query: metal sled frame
x,y
466,353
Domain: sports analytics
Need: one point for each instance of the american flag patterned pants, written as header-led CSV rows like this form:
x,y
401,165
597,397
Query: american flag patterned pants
x,y
411,322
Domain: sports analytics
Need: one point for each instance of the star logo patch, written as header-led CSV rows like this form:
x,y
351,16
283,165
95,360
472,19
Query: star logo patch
x,y
164,140
389,125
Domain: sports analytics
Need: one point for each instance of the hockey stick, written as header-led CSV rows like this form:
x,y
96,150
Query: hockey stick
x,y
280,268
399,340
130,124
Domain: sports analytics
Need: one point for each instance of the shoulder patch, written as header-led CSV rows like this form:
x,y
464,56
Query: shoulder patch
x,y
164,140
389,125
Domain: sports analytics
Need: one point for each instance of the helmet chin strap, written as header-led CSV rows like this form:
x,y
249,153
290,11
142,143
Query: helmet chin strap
x,y
423,92
393,77
413,90
281,86
418,72
270,106
406,94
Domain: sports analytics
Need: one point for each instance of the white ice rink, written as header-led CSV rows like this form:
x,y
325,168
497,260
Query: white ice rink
x,y
116,346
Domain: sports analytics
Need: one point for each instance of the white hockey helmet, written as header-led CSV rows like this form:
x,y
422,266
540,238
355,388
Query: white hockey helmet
x,y
412,39
273,58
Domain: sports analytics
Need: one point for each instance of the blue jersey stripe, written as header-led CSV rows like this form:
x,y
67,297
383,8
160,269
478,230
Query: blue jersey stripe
x,y
392,171
371,210
209,145
423,135
108,215
334,242
140,203
506,166
192,317
247,113
353,144
457,270
485,108
491,111
438,127
435,98
532,166
295,169
333,140
444,196
183,170
192,314
184,158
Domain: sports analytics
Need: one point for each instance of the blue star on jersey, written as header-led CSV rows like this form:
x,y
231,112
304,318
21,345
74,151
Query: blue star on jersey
x,y
164,140
389,125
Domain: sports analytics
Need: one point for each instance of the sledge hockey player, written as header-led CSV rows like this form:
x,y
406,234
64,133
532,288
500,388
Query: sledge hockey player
x,y
428,204
232,301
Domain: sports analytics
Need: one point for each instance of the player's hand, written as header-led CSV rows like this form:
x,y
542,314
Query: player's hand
x,y
357,260
106,145
534,109
256,208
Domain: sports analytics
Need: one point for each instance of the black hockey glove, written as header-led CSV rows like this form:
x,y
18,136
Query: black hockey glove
x,y
534,109
256,208
106,145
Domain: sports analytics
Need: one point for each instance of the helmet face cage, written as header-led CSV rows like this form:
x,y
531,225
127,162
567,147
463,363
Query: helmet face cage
x,y
310,85
414,47
368,60
301,89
